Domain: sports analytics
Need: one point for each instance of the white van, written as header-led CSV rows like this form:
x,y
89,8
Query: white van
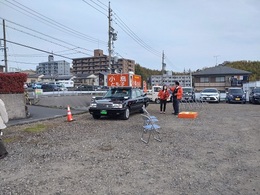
x,y
153,94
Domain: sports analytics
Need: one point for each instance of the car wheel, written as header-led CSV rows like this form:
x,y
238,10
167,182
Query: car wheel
x,y
157,101
126,114
96,116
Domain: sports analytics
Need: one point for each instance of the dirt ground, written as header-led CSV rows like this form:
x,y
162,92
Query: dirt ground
x,y
217,153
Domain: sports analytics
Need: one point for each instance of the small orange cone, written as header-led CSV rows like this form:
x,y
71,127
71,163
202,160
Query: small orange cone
x,y
69,115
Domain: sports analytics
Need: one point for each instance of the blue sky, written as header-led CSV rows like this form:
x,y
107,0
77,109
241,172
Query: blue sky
x,y
193,33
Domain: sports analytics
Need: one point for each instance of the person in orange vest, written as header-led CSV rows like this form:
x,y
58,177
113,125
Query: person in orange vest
x,y
163,96
176,97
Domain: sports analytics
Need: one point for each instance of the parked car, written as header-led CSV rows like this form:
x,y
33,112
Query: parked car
x,y
86,88
235,94
254,96
50,87
188,94
60,85
119,102
210,95
37,85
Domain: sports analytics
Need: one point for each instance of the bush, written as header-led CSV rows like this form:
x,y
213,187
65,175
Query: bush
x,y
12,82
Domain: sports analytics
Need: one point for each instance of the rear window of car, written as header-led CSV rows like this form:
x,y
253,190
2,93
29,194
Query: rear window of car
x,y
185,90
210,91
118,93
235,91
257,90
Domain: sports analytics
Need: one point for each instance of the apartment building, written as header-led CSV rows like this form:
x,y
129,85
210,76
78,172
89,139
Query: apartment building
x,y
185,80
53,68
99,63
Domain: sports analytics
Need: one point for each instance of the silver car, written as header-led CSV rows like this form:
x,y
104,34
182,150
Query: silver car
x,y
210,95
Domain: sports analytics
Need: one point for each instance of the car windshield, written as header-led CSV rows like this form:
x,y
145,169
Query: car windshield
x,y
187,90
116,93
257,90
235,91
210,91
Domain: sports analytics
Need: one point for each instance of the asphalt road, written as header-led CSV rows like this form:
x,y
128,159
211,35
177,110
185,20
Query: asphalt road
x,y
38,113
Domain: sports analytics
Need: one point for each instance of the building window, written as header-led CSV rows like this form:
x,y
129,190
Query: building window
x,y
220,79
204,79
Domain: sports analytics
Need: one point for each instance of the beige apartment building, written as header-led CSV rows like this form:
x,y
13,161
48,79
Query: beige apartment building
x,y
99,63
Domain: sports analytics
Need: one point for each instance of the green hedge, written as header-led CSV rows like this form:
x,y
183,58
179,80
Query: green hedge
x,y
12,82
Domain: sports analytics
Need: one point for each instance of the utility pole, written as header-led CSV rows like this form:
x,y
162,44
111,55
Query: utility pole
x,y
216,59
190,78
109,38
5,49
163,65
112,36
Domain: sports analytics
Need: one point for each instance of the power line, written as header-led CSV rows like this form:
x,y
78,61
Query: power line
x,y
46,36
53,23
102,3
99,5
95,8
22,62
37,49
43,39
134,36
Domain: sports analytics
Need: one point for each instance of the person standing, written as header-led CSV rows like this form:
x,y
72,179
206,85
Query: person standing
x,y
163,96
176,97
3,120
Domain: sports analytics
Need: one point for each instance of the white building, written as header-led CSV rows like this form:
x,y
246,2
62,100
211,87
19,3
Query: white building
x,y
185,80
54,68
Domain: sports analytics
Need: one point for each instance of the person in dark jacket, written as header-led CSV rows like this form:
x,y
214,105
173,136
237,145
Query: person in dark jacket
x,y
163,96
176,97
3,120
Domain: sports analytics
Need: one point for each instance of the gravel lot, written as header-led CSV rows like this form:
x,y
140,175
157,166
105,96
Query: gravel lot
x,y
218,153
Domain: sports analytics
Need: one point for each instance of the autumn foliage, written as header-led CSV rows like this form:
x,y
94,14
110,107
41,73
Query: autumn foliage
x,y
12,82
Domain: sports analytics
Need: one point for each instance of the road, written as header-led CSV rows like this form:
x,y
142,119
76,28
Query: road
x,y
38,113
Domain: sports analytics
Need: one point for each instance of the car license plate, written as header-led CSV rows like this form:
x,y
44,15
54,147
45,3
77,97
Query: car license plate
x,y
207,98
237,99
103,112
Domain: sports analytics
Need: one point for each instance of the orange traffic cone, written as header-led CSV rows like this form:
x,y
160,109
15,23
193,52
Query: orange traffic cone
x,y
69,115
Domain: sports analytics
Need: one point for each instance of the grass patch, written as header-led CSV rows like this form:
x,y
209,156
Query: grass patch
x,y
10,139
35,129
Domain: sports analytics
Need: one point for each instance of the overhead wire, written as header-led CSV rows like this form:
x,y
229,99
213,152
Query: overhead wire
x,y
37,49
133,35
53,23
47,36
95,8
22,62
43,39
99,5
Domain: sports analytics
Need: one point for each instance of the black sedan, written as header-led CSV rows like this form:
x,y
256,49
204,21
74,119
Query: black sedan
x,y
119,101
254,96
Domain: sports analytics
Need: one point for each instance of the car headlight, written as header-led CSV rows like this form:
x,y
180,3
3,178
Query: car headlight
x,y
117,105
243,96
93,105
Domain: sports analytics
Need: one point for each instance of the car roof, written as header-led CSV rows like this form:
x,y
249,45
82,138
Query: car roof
x,y
210,88
235,88
121,87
